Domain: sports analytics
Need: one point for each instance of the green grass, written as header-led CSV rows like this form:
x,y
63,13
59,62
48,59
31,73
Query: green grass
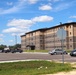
x,y
33,68
42,51
36,50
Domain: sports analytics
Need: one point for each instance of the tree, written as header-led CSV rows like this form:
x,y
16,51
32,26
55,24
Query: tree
x,y
2,47
15,46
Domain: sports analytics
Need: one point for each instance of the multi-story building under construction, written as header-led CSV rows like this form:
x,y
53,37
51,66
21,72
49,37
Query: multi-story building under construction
x,y
47,39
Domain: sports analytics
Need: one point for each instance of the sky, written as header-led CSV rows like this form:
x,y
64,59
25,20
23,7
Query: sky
x,y
18,17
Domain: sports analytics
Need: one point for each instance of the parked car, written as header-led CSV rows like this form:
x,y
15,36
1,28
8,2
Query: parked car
x,y
1,51
16,50
57,51
73,53
6,50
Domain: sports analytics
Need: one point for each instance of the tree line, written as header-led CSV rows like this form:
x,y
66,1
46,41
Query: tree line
x,y
11,47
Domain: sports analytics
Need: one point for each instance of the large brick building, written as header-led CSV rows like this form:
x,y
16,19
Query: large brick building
x,y
46,38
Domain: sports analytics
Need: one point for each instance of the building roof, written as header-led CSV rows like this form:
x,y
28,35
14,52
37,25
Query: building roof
x,y
22,35
62,25
44,29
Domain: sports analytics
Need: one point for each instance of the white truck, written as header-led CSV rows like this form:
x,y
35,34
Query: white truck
x,y
6,50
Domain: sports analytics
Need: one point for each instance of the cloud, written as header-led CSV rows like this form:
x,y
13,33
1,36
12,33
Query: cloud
x,y
72,17
32,1
16,31
54,0
15,8
12,10
11,40
13,29
44,18
22,26
64,5
61,6
22,23
45,7
13,34
70,21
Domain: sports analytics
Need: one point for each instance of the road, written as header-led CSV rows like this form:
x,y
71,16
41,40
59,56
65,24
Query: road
x,y
35,56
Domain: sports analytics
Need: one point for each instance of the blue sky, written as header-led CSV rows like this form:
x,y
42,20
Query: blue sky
x,y
20,16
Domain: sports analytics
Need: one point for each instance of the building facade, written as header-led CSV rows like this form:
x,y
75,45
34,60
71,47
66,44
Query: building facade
x,y
47,39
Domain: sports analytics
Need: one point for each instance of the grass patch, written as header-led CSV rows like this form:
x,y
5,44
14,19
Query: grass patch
x,y
33,68
42,51
36,50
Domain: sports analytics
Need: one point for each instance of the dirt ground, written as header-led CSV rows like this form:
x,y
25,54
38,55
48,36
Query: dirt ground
x,y
65,73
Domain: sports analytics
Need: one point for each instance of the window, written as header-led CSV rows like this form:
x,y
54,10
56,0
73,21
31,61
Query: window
x,y
31,43
31,38
31,34
41,36
41,41
70,45
70,33
64,27
67,26
70,39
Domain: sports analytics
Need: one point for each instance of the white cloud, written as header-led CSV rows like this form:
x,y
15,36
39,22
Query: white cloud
x,y
72,16
22,23
44,18
54,0
32,1
13,34
62,6
11,10
21,26
45,7
15,8
11,40
70,21
13,29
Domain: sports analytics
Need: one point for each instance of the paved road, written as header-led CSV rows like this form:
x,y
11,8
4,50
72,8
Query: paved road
x,y
31,56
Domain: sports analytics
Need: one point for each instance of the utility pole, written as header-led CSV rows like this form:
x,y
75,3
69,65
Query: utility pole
x,y
16,39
